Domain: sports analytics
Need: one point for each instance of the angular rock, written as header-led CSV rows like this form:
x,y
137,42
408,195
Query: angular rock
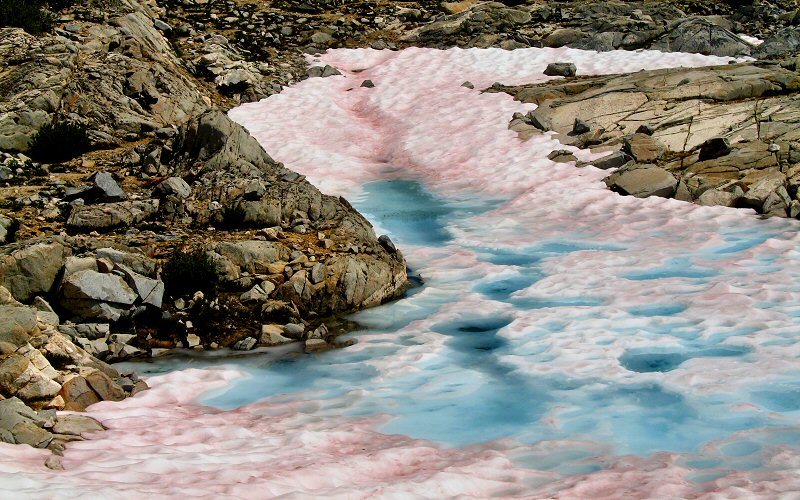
x,y
764,184
149,290
110,216
272,335
138,262
259,293
97,286
642,182
76,425
714,197
18,323
7,229
313,345
107,188
253,255
320,332
614,160
560,69
644,148
21,425
78,394
175,186
32,270
246,344
322,71
580,127
104,386
254,190
318,273
20,376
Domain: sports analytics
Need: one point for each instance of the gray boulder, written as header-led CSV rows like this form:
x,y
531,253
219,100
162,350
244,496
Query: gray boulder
x,y
785,41
90,295
174,186
246,344
107,188
17,325
322,71
76,425
700,36
97,286
219,144
252,255
21,425
561,69
714,197
763,186
150,291
643,181
87,218
614,160
32,270
7,229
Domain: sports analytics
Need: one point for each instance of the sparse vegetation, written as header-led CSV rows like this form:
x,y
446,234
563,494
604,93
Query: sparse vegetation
x,y
30,15
59,141
188,272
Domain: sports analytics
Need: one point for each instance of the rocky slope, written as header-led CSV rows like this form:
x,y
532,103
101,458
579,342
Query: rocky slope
x,y
171,226
175,229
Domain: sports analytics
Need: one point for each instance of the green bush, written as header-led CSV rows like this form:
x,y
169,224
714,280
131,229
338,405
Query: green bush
x,y
29,15
58,141
187,272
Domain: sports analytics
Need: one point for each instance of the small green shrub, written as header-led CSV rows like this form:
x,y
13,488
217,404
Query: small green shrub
x,y
59,141
188,272
29,15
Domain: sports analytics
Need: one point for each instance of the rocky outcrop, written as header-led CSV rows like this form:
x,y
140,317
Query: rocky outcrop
x,y
38,363
121,80
717,136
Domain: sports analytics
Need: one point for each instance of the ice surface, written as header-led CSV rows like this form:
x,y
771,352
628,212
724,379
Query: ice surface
x,y
568,341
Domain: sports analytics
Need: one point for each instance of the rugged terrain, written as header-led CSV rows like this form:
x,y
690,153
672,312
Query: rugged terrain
x,y
173,227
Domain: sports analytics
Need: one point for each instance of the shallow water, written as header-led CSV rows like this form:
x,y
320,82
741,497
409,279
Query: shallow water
x,y
567,341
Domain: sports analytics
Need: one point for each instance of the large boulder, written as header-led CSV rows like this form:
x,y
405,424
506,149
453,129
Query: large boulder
x,y
108,216
20,376
644,148
17,325
32,269
90,295
252,255
21,425
701,36
643,181
219,143
785,41
7,229
150,291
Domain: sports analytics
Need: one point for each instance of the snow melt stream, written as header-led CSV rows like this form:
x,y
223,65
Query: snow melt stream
x,y
567,342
